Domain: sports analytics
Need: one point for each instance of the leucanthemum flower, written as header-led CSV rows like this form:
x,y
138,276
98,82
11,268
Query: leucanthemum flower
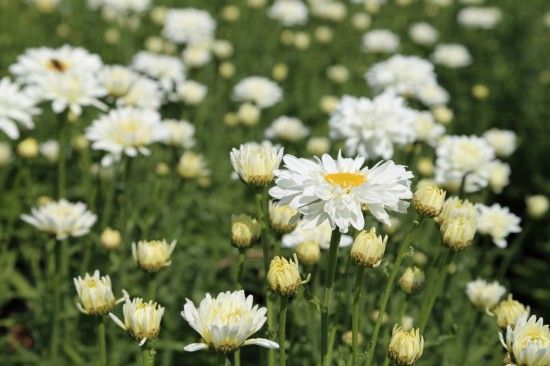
x,y
125,131
289,12
380,41
188,25
528,341
452,55
178,133
143,93
329,10
225,323
255,163
484,295
261,91
503,141
61,218
287,129
479,17
335,190
17,107
94,293
423,33
123,7
153,255
320,235
372,127
191,92
432,95
498,222
168,70
499,175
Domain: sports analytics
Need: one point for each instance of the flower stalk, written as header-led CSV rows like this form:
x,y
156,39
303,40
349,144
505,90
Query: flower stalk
x,y
355,313
282,330
101,341
148,356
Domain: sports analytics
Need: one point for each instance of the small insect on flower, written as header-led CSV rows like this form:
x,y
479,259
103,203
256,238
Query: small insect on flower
x,y
406,346
141,319
368,248
225,323
245,231
284,277
255,163
153,255
95,294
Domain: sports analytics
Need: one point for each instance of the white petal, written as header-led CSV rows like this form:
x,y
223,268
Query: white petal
x,y
261,342
195,347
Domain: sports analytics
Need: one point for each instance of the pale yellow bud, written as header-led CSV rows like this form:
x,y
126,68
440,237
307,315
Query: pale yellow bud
x,y
420,258
80,142
63,30
280,72
443,114
281,217
428,200
226,70
95,294
222,48
347,338
154,44
308,252
231,119
245,231
328,103
192,166
302,40
158,14
248,114
318,145
458,233
5,153
256,3
508,311
395,223
28,148
480,91
338,73
287,37
112,36
368,248
323,34
374,316
169,48
230,13
406,346
162,169
455,207
425,167
43,200
537,206
283,276
412,281
110,238
361,21
153,255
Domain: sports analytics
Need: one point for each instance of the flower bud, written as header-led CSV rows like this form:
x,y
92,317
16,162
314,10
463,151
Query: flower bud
x,y
480,91
230,13
318,145
368,249
302,40
110,239
428,200
308,252
80,142
280,71
328,103
425,167
248,114
245,231
94,293
406,346
192,166
283,276
412,281
162,169
455,207
281,217
231,119
443,115
28,148
323,34
537,206
508,311
459,233
347,338
374,316
226,70
5,153
484,295
153,255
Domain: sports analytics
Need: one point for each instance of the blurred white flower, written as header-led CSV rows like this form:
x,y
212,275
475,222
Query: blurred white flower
x,y
191,92
528,341
503,141
259,90
289,12
196,55
287,129
484,295
144,93
116,79
121,7
188,25
17,107
426,129
50,150
380,41
452,55
423,33
178,133
329,10
499,175
498,222
479,17
432,95
320,235
168,70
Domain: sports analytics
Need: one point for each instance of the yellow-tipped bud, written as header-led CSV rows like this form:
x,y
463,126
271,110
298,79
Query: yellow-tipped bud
x,y
283,276
455,207
480,91
245,231
95,294
28,148
412,281
537,206
406,346
368,248
153,255
508,311
281,217
280,71
248,114
110,238
347,338
308,252
428,200
458,233
425,167
443,114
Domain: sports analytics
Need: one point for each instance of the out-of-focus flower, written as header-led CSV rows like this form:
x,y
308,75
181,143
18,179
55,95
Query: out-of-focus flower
x,y
479,17
287,129
452,55
168,70
423,33
196,55
412,281
28,148
499,175
17,107
258,90
319,235
503,141
361,21
380,41
245,231
191,92
426,129
249,114
110,238
537,206
318,145
192,166
50,150
289,12
188,25
498,222
308,252
178,133
484,295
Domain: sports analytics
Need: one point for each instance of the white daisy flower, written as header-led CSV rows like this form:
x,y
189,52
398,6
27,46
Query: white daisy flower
x,y
61,218
191,92
432,95
94,293
287,129
426,129
168,70
255,163
372,127
479,17
380,41
144,93
178,133
423,33
528,341
335,190
117,80
498,222
125,131
259,90
320,235
289,12
499,175
459,156
329,10
484,295
188,25
225,323
452,55
503,141
50,150
17,107
196,55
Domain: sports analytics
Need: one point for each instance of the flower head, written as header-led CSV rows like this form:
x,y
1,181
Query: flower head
x,y
258,90
188,25
508,311
406,346
282,218
484,295
245,231
17,107
428,200
255,163
368,248
95,294
498,222
319,235
528,341
284,277
412,281
153,255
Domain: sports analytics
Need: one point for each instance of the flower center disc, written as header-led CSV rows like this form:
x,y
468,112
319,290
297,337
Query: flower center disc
x,y
346,180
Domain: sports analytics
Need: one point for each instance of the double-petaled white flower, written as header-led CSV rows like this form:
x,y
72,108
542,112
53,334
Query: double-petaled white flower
x,y
255,163
335,190
17,107
258,90
95,294
528,341
320,235
380,41
62,218
498,222
225,323
479,17
484,295
289,12
188,25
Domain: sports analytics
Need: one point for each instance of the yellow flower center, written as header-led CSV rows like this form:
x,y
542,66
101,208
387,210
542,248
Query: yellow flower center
x,y
346,180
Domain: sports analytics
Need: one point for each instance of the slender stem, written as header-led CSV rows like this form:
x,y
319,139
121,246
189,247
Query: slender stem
x,y
462,188
332,261
469,339
61,160
387,291
240,270
152,286
282,329
221,359
513,251
148,356
237,358
101,341
54,283
355,313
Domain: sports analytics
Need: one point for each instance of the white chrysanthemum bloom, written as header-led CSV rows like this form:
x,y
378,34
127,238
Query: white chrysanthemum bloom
x,y
452,55
153,255
423,33
287,129
503,141
426,129
330,10
188,25
499,175
178,133
528,341
95,294
498,222
50,150
69,91
168,70
335,190
144,93
288,12
403,74
459,156
191,92
61,218
141,319
125,7
225,323
255,163
479,17
484,295
117,80
258,90
196,55
125,131
38,62
319,235
432,95
380,41
372,127
17,107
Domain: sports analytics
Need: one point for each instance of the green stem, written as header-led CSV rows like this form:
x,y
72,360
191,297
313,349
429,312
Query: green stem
x,y
237,358
101,341
355,313
387,291
148,356
282,329
152,286
54,283
332,261
221,359
240,270
513,251
61,160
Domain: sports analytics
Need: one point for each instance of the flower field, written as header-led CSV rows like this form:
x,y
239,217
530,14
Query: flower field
x,y
274,182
